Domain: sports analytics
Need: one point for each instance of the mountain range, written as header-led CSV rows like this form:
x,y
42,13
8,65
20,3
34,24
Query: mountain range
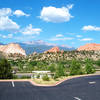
x,y
40,46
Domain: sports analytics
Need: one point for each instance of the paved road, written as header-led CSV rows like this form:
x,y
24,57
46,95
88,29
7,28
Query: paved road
x,y
86,88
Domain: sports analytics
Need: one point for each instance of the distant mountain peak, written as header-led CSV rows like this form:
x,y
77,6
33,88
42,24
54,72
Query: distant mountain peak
x,y
41,46
41,42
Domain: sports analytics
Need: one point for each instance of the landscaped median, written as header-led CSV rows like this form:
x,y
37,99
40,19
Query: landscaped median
x,y
51,82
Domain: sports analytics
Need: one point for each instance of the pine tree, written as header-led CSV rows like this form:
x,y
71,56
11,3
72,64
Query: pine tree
x,y
5,69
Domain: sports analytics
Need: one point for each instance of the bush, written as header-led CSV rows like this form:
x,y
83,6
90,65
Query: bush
x,y
45,78
75,68
25,77
98,62
89,67
52,68
55,76
15,77
38,76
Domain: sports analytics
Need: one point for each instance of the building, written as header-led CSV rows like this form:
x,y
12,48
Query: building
x,y
40,74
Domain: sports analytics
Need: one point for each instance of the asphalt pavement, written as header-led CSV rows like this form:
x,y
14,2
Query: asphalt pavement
x,y
83,88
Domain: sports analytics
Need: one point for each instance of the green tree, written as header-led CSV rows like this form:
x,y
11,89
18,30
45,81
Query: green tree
x,y
75,68
52,68
20,66
33,63
5,69
89,68
45,78
98,62
60,70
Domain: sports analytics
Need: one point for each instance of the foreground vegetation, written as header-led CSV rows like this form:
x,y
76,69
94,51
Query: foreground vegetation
x,y
60,64
50,82
5,68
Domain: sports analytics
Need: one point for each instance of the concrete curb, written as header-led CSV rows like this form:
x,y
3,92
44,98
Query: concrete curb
x,y
44,85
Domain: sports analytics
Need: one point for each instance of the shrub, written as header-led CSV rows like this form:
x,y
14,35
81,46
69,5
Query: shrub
x,y
55,76
89,66
38,76
52,68
75,68
98,62
15,77
45,78
25,77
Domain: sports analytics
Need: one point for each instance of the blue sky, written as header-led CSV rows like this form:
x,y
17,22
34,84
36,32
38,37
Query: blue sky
x,y
62,22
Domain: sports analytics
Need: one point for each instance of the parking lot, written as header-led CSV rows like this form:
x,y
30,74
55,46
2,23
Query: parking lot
x,y
84,88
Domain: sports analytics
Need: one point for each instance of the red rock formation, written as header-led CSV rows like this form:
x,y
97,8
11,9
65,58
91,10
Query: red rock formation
x,y
54,49
12,49
62,51
89,47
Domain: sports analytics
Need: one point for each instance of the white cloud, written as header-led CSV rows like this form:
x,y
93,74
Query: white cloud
x,y
29,30
86,39
19,13
78,36
61,39
56,15
39,42
5,12
91,28
6,36
70,6
59,35
7,24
